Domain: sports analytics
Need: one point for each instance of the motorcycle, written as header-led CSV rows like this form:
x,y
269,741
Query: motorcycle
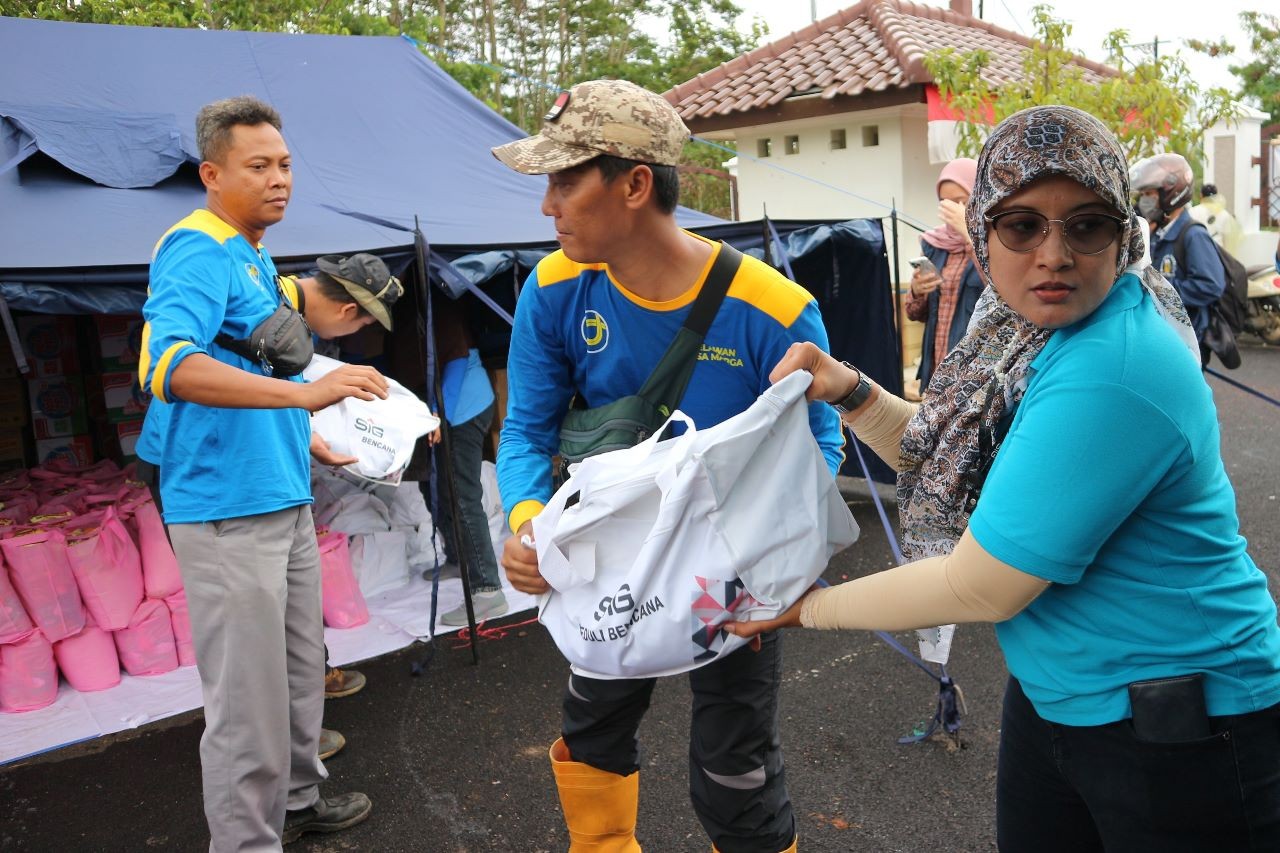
x,y
1263,302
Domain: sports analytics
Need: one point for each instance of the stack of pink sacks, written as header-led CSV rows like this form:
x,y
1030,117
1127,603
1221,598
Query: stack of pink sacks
x,y
88,583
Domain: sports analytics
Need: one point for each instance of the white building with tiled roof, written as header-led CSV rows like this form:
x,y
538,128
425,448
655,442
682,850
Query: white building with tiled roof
x,y
846,101
841,119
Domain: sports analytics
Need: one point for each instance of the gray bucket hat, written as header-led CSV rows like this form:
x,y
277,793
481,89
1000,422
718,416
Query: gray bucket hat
x,y
368,281
600,117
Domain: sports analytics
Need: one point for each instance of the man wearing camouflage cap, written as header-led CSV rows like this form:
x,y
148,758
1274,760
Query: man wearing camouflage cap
x,y
593,321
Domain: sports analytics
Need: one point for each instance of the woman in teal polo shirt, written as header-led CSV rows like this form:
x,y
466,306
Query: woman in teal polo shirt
x,y
1141,711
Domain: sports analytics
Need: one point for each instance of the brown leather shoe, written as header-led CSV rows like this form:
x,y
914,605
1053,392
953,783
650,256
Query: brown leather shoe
x,y
342,682
331,743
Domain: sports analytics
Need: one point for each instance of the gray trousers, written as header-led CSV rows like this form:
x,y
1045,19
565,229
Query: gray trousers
x,y
253,592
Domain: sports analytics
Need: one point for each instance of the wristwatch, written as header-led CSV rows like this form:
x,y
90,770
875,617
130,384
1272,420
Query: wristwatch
x,y
858,396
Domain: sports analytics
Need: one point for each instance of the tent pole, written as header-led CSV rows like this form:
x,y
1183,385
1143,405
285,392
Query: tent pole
x,y
432,376
897,286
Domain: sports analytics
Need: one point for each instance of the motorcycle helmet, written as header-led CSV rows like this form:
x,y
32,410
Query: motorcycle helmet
x,y
1170,176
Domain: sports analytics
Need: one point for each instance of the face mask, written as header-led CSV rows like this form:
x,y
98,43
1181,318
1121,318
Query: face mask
x,y
1149,208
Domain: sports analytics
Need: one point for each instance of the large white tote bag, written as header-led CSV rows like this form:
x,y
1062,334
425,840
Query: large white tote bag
x,y
651,550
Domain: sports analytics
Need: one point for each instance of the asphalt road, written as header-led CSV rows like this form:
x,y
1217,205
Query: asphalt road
x,y
455,760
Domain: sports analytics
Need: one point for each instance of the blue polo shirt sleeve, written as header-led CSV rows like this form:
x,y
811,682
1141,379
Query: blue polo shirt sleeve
x,y
1078,460
539,386
1204,278
185,306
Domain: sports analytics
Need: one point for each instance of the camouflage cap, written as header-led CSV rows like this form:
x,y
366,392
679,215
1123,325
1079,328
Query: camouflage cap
x,y
600,117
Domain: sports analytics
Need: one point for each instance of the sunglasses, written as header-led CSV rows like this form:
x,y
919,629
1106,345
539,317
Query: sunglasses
x,y
1086,233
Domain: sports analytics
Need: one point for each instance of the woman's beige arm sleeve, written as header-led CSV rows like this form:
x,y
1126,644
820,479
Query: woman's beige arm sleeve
x,y
881,424
968,585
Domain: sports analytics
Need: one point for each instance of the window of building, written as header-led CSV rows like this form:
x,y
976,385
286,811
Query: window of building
x,y
837,139
764,147
870,136
793,144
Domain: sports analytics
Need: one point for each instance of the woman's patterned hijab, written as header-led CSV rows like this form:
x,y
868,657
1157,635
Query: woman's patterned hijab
x,y
985,375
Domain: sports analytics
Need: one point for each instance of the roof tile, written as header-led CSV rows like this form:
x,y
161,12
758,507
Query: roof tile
x,y
874,45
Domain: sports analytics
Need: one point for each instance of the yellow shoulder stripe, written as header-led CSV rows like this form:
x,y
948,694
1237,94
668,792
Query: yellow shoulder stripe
x,y
204,221
556,267
769,291
289,284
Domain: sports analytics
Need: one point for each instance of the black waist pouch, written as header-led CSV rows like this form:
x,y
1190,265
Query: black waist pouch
x,y
281,343
1170,710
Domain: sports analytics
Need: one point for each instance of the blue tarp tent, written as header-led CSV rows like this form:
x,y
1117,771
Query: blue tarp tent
x,y
98,157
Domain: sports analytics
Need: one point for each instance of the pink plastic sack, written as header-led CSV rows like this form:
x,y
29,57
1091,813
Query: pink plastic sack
x,y
62,501
41,573
28,675
88,660
106,566
18,512
160,573
62,466
14,621
146,647
342,601
16,479
181,620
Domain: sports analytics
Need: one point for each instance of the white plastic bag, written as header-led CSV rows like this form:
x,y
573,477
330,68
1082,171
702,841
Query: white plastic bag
x,y
651,550
379,433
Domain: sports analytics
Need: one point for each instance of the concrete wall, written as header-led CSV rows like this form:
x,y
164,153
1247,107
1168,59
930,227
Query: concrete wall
x,y
1229,149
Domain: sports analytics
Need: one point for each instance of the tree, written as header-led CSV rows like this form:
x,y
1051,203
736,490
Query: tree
x,y
1152,104
1259,78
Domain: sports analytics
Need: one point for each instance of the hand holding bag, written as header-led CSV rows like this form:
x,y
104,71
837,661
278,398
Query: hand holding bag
x,y
651,550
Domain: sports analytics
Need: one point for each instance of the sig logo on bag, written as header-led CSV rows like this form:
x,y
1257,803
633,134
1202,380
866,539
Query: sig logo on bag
x,y
366,425
620,602
370,433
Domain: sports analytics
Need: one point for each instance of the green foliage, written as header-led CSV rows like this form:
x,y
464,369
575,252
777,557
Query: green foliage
x,y
704,184
1260,78
1153,105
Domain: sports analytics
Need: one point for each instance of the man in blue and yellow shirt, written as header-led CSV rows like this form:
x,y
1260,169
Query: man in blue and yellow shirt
x,y
594,319
237,491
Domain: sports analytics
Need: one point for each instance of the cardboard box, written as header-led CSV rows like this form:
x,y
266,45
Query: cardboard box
x,y
119,343
75,449
118,441
117,397
13,402
57,406
50,344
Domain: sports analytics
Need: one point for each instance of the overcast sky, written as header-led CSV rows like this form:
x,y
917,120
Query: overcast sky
x,y
1168,20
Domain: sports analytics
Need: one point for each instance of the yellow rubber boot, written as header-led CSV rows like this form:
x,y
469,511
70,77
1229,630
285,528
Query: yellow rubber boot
x,y
599,806
795,845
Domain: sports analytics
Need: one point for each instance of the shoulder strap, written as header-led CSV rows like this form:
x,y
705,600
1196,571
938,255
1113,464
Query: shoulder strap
x,y
666,384
725,267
